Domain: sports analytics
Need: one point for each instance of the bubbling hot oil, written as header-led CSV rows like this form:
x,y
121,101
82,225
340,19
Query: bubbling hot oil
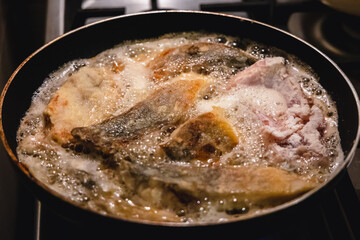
x,y
90,182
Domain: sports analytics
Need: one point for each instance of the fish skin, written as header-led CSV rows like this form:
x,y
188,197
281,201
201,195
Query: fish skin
x,y
165,106
202,58
186,184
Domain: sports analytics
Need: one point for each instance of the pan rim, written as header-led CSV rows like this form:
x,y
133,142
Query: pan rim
x,y
283,206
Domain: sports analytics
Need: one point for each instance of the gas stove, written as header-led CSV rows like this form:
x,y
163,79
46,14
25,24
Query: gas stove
x,y
333,215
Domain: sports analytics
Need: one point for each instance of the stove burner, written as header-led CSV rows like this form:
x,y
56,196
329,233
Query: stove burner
x,y
270,11
154,6
83,14
335,34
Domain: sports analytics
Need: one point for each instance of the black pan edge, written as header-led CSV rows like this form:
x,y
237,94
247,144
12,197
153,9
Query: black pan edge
x,y
296,201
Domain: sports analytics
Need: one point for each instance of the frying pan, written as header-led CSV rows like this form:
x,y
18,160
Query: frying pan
x,y
90,40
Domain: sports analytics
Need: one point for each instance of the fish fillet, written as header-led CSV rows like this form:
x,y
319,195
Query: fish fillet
x,y
202,58
294,128
204,137
80,101
261,186
165,106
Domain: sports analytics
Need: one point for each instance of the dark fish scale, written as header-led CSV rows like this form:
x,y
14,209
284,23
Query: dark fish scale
x,y
202,58
165,106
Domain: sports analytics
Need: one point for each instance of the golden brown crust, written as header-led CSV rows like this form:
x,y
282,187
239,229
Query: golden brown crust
x,y
80,101
202,58
204,137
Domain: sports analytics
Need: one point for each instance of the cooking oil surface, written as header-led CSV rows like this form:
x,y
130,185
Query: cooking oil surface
x,y
189,127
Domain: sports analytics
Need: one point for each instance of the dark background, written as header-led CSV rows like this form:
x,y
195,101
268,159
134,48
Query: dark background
x,y
22,25
22,31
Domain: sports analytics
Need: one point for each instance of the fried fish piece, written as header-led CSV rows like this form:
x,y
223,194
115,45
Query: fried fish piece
x,y
164,106
180,186
202,58
204,137
80,101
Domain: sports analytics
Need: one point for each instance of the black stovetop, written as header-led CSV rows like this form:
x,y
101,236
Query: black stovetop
x,y
333,214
